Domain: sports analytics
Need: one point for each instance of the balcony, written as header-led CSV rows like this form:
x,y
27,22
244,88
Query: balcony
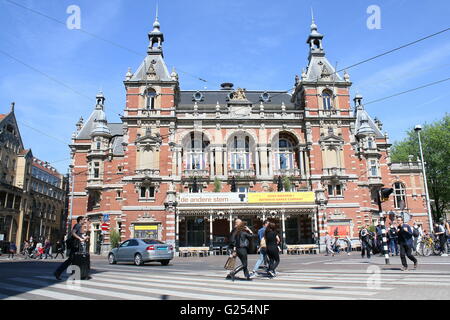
x,y
334,172
375,181
242,173
287,172
195,173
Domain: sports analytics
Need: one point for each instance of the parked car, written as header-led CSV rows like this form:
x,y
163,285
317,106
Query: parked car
x,y
140,251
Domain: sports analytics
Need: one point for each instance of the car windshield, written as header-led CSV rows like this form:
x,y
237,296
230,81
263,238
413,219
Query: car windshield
x,y
152,241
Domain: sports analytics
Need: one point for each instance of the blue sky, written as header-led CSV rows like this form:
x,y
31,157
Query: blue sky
x,y
257,44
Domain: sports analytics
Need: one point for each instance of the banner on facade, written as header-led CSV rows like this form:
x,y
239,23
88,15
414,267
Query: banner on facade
x,y
280,197
212,197
152,227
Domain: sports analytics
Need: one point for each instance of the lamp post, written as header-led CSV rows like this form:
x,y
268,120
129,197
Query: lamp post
x,y
418,128
69,223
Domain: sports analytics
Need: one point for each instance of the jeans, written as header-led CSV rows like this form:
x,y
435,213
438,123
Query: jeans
x,y
349,247
365,248
261,259
393,246
406,250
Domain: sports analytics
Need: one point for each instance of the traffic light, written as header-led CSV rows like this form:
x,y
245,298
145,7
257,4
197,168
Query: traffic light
x,y
385,193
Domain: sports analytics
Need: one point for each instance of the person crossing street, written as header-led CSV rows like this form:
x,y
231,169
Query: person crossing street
x,y
405,242
262,250
393,239
365,237
239,243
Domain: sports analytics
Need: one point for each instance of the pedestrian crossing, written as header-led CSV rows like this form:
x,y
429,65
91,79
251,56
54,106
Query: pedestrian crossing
x,y
118,283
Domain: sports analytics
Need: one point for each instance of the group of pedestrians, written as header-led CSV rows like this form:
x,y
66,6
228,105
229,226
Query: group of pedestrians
x,y
268,249
42,250
332,244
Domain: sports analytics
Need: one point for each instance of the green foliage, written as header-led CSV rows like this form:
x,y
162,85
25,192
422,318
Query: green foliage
x,y
287,184
435,139
371,228
217,185
114,238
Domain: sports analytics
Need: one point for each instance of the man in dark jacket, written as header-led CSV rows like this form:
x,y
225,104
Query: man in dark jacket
x,y
379,238
405,241
364,236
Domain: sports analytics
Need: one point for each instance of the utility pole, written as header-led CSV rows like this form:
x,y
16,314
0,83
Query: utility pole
x,y
418,128
69,222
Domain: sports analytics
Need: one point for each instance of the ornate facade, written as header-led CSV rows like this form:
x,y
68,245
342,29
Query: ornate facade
x,y
183,164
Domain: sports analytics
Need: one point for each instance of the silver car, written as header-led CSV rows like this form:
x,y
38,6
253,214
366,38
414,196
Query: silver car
x,y
140,251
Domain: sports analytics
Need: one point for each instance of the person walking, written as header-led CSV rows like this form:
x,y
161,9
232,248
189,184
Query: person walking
x,y
75,241
26,245
329,244
439,231
447,235
349,244
12,250
416,236
239,244
47,248
379,238
273,250
393,239
59,249
364,237
405,242
262,250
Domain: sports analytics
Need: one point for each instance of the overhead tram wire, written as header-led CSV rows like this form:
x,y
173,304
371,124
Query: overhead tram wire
x,y
406,91
118,45
378,55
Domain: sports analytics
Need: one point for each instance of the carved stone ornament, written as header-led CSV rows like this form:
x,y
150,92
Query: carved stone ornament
x,y
239,94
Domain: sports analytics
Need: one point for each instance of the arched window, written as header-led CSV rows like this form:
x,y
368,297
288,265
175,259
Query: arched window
x,y
196,155
400,195
326,98
151,96
284,154
240,153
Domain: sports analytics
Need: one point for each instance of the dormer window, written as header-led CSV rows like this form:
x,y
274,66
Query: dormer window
x,y
198,96
265,97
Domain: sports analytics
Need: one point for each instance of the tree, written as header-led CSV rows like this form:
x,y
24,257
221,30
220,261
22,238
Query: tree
x,y
287,184
217,185
114,238
436,153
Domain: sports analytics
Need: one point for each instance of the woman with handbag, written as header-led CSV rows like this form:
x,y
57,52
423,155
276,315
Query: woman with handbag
x,y
272,249
240,241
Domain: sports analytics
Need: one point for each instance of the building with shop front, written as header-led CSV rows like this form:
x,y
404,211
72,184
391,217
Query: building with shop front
x,y
182,165
32,193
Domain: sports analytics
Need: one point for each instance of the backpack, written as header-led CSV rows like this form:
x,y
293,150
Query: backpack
x,y
416,232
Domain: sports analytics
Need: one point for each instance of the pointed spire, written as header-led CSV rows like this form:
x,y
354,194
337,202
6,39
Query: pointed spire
x,y
313,24
315,38
156,37
12,106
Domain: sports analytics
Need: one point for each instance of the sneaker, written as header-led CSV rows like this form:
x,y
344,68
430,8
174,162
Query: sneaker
x,y
248,279
444,255
404,268
252,275
415,265
271,274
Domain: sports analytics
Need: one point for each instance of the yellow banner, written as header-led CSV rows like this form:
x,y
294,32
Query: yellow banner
x,y
280,197
146,227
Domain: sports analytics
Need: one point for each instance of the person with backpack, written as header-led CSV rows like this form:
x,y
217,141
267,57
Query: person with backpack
x,y
239,243
261,248
393,239
405,241
73,245
365,238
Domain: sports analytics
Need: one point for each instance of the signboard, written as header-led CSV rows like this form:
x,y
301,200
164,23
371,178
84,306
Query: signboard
x,y
151,227
281,197
212,197
105,227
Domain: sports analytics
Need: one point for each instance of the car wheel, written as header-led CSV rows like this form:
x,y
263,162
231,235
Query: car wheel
x,y
165,262
138,259
112,259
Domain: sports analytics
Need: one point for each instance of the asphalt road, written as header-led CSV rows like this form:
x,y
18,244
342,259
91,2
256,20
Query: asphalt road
x,y
300,277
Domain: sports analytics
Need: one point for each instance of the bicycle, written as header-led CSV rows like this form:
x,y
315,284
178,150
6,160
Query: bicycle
x,y
426,247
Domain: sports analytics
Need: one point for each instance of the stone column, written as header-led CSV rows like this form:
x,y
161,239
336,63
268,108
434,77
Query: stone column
x,y
258,173
263,157
218,170
269,161
283,240
225,163
210,232
179,162
212,171
177,232
302,163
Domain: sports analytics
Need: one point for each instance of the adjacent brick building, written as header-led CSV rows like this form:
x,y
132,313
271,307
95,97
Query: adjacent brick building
x,y
183,164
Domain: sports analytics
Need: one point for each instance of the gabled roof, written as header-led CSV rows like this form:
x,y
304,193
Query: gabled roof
x,y
318,69
363,116
160,68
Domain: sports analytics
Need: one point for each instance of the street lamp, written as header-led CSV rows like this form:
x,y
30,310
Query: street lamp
x,y
69,223
418,128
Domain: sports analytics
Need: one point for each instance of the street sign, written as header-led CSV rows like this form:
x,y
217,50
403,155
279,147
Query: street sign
x,y
106,217
406,217
105,226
